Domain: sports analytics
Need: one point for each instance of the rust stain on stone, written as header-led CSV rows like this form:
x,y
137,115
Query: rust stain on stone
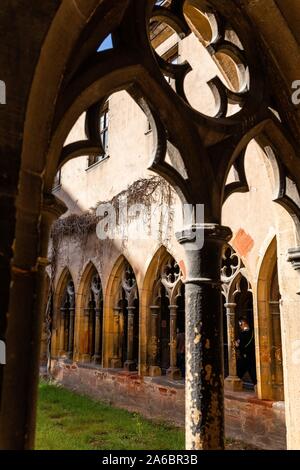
x,y
183,269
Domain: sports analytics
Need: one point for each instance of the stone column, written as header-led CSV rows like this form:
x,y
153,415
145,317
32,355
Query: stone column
x,y
116,360
277,370
173,371
7,220
154,369
130,364
98,333
71,333
21,373
86,355
232,382
61,333
204,388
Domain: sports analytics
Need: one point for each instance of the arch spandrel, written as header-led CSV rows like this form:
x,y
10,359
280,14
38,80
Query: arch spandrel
x,y
186,128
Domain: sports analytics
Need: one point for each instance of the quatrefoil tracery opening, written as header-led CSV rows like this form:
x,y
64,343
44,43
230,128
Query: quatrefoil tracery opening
x,y
216,65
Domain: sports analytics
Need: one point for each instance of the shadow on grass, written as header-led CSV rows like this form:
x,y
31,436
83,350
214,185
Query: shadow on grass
x,y
68,421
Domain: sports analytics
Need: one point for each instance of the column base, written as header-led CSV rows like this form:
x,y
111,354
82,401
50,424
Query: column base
x,y
96,359
76,357
69,355
173,373
130,366
234,384
154,371
115,363
85,358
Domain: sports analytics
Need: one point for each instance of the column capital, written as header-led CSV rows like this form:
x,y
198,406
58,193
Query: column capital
x,y
87,311
154,307
230,305
43,261
294,257
203,245
53,207
173,309
131,309
197,233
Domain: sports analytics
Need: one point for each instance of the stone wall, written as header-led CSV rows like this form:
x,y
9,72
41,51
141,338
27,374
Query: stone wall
x,y
260,423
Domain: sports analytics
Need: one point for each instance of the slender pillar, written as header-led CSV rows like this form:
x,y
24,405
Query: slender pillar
x,y
130,364
173,371
86,355
277,370
232,382
61,337
98,332
204,389
71,333
116,362
154,369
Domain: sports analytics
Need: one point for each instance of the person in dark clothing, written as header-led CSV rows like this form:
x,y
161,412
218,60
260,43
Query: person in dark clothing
x,y
246,351
180,346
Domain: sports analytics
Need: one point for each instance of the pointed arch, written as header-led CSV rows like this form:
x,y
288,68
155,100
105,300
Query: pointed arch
x,y
268,313
121,317
47,313
162,305
238,303
89,316
64,316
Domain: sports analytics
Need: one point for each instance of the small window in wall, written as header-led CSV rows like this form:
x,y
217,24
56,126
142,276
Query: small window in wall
x,y
103,130
57,180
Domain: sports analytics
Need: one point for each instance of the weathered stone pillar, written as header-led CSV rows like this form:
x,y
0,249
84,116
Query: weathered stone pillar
x,y
130,364
173,371
62,329
97,351
232,382
204,339
71,333
116,360
7,224
277,370
86,356
21,374
154,369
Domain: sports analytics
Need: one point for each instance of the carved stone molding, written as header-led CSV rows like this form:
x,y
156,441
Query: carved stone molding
x,y
129,285
294,257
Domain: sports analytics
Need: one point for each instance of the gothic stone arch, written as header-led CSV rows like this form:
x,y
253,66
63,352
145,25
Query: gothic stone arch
x,y
268,305
208,147
89,317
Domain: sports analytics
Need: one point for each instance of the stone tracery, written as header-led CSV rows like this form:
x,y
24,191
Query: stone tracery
x,y
208,158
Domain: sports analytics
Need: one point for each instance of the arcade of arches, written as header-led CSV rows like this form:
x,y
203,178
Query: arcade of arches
x,y
173,105
87,331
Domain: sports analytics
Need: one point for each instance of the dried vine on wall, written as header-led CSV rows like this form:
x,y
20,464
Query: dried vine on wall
x,y
147,191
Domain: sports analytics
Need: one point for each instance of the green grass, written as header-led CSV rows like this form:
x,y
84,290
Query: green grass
x,y
67,421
